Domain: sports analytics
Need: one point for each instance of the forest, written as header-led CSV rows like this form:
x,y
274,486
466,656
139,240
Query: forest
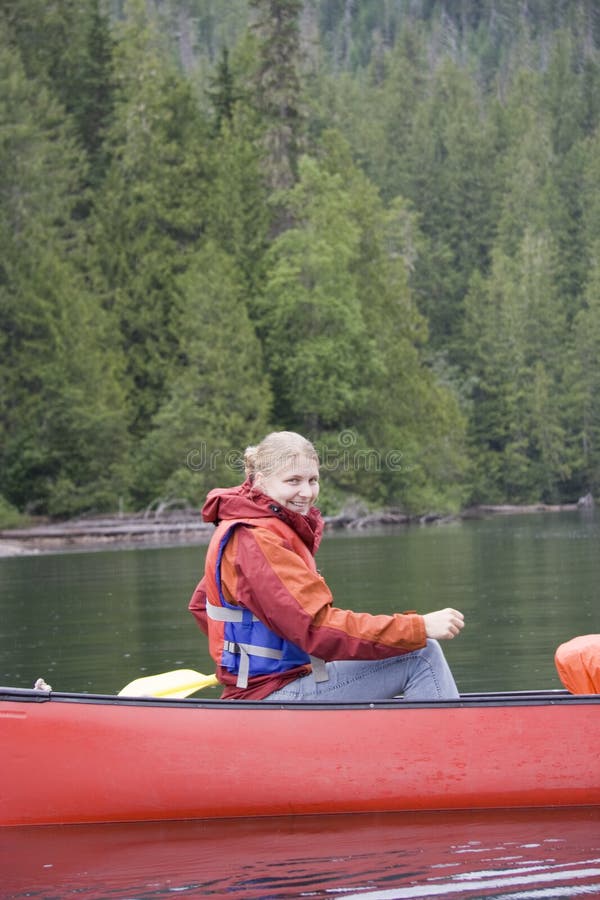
x,y
376,222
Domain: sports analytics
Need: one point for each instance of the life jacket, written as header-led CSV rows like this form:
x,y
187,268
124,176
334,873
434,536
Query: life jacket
x,y
239,641
578,664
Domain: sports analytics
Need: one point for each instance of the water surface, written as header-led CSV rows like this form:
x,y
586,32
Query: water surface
x,y
94,621
508,855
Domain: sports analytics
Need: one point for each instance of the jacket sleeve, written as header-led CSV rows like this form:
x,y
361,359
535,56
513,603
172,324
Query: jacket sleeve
x,y
197,606
296,603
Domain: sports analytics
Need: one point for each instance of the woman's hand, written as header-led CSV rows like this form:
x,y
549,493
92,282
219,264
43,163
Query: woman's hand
x,y
443,624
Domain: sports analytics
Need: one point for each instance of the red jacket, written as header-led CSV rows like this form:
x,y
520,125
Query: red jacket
x,y
264,569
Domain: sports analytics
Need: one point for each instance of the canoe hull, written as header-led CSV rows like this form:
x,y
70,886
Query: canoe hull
x,y
75,759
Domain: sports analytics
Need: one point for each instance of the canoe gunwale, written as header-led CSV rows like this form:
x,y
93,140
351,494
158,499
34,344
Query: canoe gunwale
x,y
468,700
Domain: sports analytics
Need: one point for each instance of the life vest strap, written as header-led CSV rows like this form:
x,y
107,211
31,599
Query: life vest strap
x,y
268,652
228,614
245,650
319,668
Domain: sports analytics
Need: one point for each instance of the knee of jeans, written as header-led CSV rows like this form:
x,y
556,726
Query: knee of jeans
x,y
433,647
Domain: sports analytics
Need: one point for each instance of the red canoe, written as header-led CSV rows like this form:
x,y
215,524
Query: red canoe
x,y
75,758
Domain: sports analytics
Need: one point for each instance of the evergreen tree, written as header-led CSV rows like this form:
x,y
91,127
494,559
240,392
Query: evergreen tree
x,y
344,342
412,423
426,136
150,212
583,373
515,327
585,381
238,215
93,109
278,90
444,261
222,92
62,436
66,46
316,346
453,186
219,401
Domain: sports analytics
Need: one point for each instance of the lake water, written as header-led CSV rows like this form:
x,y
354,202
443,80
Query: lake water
x,y
95,621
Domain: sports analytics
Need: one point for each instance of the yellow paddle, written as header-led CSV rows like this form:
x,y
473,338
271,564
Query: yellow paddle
x,y
176,684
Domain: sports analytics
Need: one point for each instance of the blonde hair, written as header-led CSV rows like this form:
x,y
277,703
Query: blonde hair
x,y
277,450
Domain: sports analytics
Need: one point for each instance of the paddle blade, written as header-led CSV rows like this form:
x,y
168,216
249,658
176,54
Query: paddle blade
x,y
176,684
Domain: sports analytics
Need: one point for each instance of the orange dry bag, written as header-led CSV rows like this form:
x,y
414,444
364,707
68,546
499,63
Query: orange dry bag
x,y
578,664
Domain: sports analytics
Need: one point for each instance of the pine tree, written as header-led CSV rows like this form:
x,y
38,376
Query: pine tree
x,y
585,394
220,400
67,47
150,212
412,421
62,436
515,327
452,185
278,93
238,214
345,343
222,92
583,374
316,346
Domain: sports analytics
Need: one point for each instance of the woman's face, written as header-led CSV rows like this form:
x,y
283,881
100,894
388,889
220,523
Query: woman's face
x,y
294,486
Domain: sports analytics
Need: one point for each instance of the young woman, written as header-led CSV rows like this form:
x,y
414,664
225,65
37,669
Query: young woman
x,y
273,629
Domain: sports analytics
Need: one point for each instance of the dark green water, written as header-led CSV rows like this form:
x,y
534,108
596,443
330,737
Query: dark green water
x,y
94,621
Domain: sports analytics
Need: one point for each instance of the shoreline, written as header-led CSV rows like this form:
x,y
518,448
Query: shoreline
x,y
186,528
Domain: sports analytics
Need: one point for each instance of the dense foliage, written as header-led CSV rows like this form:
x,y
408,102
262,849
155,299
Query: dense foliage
x,y
375,223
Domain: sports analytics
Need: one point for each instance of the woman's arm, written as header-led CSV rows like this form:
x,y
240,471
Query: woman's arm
x,y
197,606
268,577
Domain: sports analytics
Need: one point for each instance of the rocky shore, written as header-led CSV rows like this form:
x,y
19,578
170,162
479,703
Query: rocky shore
x,y
184,527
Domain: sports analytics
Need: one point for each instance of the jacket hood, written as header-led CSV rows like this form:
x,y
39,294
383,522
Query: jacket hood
x,y
245,502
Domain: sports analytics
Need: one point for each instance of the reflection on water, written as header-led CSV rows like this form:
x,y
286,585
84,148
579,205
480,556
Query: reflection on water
x,y
500,854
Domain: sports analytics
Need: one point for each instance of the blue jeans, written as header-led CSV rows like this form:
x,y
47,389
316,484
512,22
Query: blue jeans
x,y
419,675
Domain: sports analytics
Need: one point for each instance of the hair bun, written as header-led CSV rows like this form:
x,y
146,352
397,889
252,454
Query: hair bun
x,y
250,461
